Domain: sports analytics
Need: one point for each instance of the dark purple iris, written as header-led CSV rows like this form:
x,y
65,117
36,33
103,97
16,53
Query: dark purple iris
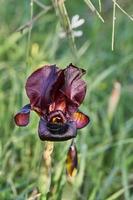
x,y
55,94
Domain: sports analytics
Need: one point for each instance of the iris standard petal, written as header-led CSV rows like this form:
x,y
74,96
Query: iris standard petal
x,y
81,119
74,87
22,117
58,104
56,132
40,84
72,161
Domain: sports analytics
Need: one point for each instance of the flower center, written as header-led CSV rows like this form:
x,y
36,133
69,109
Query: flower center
x,y
56,120
56,117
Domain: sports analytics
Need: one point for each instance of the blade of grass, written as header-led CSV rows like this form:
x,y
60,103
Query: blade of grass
x,y
29,33
34,19
108,182
40,4
93,194
93,9
114,19
65,22
113,24
118,193
83,49
130,17
125,178
100,5
101,77
110,70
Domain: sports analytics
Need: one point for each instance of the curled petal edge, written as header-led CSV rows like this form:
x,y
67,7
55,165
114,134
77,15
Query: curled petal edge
x,y
52,134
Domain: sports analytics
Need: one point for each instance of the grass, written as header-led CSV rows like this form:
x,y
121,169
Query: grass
x,y
105,147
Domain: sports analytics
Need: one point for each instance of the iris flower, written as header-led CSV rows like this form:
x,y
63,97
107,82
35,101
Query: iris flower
x,y
55,95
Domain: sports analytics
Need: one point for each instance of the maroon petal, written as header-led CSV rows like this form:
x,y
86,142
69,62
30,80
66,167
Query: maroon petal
x,y
81,119
72,161
40,84
55,132
57,86
22,117
59,103
74,87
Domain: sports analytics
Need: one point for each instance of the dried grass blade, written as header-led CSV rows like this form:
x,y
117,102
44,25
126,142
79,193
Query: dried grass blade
x,y
130,17
93,9
65,22
113,24
100,5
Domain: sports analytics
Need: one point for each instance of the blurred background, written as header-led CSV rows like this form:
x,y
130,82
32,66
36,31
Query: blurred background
x,y
38,32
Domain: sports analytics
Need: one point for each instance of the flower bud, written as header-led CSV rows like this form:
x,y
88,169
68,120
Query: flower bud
x,y
72,161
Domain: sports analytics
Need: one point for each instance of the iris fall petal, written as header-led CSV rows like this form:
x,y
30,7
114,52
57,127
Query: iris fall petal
x,y
56,132
81,119
22,117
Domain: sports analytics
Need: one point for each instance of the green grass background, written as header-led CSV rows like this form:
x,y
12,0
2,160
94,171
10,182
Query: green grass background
x,y
105,147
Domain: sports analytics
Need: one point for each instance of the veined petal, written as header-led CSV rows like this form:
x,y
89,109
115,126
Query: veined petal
x,y
40,85
74,87
22,117
81,119
58,104
72,161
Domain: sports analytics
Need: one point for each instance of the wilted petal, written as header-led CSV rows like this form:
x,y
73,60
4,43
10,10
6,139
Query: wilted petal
x,y
22,117
40,84
56,132
72,161
74,87
81,119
